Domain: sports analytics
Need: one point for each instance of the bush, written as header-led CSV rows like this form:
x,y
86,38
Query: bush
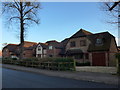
x,y
6,58
14,58
118,63
46,63
83,64
30,59
118,56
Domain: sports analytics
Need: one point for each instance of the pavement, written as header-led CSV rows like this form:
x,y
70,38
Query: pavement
x,y
87,76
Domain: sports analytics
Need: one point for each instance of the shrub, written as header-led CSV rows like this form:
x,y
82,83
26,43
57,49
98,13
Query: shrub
x,y
118,63
14,58
118,56
30,59
62,59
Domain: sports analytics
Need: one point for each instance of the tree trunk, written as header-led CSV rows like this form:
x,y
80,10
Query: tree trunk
x,y
21,31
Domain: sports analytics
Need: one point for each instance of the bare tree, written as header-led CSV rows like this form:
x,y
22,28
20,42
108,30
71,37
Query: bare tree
x,y
22,14
113,11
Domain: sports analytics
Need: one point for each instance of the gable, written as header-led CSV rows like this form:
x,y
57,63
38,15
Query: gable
x,y
81,33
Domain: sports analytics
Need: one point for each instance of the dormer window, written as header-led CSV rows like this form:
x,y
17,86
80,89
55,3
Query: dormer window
x,y
50,47
99,41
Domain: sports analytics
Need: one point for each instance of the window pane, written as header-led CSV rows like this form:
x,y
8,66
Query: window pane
x,y
99,41
72,44
50,47
83,43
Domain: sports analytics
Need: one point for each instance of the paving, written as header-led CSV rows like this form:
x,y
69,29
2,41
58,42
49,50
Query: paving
x,y
87,76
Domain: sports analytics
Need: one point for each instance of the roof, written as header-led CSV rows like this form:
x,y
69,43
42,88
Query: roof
x,y
81,33
63,45
29,44
64,42
74,51
118,48
54,43
14,48
106,38
11,47
44,45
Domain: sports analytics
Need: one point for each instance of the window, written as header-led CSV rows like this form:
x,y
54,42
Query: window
x,y
39,48
99,41
50,47
72,44
86,56
83,43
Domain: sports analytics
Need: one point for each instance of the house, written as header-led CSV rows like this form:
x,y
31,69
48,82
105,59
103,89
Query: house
x,y
118,48
41,50
99,49
0,53
13,50
29,49
63,47
54,48
48,49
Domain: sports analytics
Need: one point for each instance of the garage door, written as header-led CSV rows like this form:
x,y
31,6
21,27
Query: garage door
x,y
98,59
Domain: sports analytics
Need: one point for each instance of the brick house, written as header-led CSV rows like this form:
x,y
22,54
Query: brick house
x,y
99,49
13,50
53,49
118,48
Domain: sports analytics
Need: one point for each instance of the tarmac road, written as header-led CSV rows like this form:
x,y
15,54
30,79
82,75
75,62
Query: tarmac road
x,y
21,79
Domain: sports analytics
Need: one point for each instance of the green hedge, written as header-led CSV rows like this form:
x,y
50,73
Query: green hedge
x,y
118,63
44,63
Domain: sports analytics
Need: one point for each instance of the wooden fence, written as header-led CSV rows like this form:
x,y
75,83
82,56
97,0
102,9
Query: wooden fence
x,y
43,65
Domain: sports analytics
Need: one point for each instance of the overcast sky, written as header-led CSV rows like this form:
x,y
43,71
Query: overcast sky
x,y
61,20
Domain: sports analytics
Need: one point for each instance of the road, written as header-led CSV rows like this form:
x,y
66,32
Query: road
x,y
20,79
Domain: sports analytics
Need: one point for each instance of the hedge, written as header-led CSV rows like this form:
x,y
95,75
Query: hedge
x,y
44,63
118,63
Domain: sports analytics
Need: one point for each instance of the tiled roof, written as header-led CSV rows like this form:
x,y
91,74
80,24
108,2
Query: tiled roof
x,y
29,44
44,45
11,47
81,33
54,43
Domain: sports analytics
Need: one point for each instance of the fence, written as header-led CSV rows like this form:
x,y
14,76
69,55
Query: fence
x,y
43,65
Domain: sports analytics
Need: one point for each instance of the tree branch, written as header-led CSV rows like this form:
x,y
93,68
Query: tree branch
x,y
36,21
30,9
14,18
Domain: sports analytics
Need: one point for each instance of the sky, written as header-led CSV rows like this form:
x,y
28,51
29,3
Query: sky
x,y
60,20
